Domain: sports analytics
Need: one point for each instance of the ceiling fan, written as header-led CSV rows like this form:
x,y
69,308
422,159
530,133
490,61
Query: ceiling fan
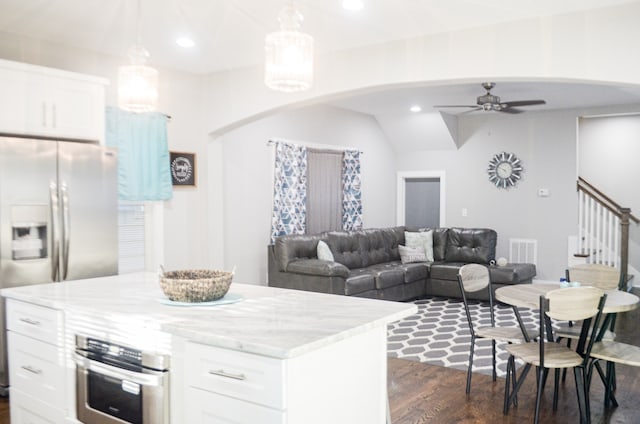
x,y
489,102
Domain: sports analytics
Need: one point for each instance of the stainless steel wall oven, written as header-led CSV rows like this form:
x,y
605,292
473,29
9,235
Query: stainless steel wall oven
x,y
119,384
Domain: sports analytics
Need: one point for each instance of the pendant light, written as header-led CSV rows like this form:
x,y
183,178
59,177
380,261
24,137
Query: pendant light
x,y
289,54
138,83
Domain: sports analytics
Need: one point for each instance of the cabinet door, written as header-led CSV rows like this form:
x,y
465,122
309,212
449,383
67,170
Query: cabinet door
x,y
77,109
12,101
36,321
241,375
64,107
36,368
209,408
26,409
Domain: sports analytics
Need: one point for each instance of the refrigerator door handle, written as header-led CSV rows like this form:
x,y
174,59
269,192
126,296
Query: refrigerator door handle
x,y
55,225
66,230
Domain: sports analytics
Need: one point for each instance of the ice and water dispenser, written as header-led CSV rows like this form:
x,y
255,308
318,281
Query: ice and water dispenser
x,y
29,231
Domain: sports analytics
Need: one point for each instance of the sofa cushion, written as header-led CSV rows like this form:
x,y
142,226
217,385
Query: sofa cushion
x,y
387,275
512,273
375,247
318,267
288,248
396,238
445,270
471,245
346,248
360,280
440,243
415,271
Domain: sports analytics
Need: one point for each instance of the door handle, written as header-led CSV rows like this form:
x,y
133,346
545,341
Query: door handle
x,y
55,238
66,230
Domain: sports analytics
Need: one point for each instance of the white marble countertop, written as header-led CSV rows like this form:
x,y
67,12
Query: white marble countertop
x,y
268,321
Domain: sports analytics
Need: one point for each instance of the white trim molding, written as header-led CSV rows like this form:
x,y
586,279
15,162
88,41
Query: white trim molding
x,y
403,176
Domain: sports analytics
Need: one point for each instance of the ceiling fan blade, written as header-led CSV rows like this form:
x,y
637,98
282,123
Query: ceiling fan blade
x,y
525,103
444,106
510,110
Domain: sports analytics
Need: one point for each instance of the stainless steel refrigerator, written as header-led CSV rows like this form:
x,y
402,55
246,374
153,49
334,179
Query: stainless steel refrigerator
x,y
58,216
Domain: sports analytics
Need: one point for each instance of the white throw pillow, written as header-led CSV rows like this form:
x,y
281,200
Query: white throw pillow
x,y
420,240
410,254
323,251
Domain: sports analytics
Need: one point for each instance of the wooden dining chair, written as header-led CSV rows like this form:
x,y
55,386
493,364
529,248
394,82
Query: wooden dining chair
x,y
579,303
473,278
601,276
613,353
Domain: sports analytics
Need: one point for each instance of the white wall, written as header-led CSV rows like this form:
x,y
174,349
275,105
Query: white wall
x,y
596,45
185,217
247,177
545,142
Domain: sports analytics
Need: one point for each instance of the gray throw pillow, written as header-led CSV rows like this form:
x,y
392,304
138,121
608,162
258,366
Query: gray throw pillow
x,y
409,254
323,251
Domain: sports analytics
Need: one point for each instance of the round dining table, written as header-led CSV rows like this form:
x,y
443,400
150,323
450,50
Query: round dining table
x,y
528,296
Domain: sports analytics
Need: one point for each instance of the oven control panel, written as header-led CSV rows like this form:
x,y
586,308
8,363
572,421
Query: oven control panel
x,y
126,354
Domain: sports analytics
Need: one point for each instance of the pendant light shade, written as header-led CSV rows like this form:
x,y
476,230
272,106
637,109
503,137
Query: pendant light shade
x,y
138,83
289,54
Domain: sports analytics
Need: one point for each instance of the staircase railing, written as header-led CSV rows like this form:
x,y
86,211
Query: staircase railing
x,y
603,229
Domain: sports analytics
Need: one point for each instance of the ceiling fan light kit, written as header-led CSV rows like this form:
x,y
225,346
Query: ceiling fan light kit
x,y
489,102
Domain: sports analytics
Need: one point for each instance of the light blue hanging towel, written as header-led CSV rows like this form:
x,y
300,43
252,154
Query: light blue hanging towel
x,y
143,154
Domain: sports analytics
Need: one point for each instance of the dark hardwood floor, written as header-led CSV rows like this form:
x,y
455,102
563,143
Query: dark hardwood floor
x,y
420,393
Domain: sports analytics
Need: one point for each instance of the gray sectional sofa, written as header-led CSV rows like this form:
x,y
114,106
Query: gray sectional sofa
x,y
367,263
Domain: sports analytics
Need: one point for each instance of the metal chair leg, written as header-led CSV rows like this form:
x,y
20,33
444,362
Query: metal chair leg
x,y
556,383
542,377
493,352
473,342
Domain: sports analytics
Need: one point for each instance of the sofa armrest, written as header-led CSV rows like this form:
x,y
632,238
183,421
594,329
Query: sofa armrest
x,y
318,267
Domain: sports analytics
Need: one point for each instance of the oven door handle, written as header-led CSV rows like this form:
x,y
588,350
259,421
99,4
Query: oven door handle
x,y
155,379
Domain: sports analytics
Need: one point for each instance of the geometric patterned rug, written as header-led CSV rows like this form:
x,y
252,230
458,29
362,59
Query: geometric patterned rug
x,y
438,334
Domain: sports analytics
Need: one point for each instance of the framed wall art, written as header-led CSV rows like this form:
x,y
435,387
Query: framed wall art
x,y
183,169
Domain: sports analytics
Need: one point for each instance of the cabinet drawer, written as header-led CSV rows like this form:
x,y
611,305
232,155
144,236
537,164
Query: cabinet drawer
x,y
236,374
36,368
210,408
35,321
27,409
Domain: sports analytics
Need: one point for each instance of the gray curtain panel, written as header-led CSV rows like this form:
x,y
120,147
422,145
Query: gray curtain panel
x,y
324,190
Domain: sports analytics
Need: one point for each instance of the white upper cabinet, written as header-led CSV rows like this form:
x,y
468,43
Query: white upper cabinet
x,y
48,102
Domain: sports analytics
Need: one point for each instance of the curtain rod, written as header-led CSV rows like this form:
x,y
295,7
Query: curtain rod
x,y
321,147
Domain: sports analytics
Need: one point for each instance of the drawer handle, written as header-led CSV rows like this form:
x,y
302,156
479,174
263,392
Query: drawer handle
x,y
223,373
31,369
30,321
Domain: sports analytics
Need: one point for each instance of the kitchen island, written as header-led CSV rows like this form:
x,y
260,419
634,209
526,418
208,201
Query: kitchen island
x,y
274,356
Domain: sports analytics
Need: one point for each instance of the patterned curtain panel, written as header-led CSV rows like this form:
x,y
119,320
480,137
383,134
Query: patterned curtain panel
x,y
352,193
289,190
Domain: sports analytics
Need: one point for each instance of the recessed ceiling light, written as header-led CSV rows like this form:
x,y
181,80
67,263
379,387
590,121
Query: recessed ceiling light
x,y
352,4
415,108
185,42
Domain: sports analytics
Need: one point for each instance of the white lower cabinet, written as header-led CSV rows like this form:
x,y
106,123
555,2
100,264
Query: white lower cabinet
x,y
340,382
37,369
27,409
203,407
226,386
